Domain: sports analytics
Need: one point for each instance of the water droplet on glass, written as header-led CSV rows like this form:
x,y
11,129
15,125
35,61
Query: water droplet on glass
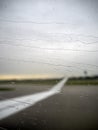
x,y
81,96
45,110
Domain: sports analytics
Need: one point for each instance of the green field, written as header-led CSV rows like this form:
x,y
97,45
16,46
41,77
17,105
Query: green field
x,y
71,81
6,89
82,82
43,81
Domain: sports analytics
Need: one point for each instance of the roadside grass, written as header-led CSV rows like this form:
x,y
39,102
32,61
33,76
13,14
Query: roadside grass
x,y
37,82
82,82
7,89
71,81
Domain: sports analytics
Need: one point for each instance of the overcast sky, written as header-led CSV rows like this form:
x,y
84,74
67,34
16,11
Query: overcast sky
x,y
48,37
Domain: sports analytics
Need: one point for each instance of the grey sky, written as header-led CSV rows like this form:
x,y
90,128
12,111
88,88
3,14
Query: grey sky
x,y
55,37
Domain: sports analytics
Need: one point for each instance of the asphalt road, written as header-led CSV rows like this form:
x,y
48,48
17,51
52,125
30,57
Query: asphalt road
x,y
75,108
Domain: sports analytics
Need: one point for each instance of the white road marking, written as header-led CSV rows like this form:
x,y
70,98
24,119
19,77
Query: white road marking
x,y
14,105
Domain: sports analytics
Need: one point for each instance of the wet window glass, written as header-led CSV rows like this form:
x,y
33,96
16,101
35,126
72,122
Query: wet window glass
x,y
48,64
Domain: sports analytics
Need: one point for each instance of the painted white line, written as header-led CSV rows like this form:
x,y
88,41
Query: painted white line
x,y
14,105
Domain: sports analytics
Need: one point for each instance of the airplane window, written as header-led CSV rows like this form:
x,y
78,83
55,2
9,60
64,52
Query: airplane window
x,y
48,64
